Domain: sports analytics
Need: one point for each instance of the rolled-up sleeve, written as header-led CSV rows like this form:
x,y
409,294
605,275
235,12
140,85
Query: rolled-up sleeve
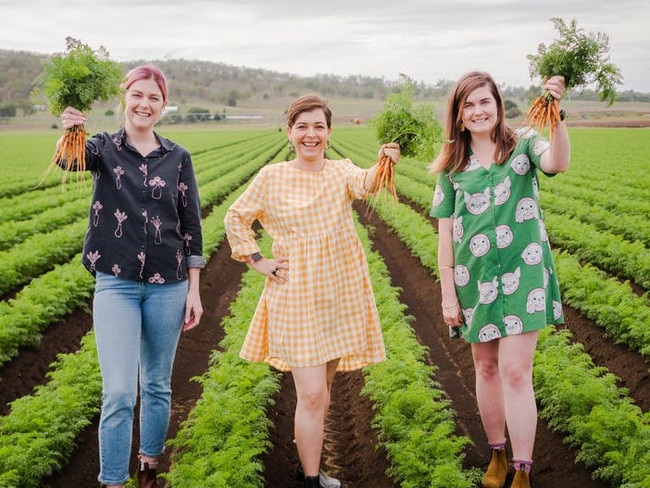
x,y
189,210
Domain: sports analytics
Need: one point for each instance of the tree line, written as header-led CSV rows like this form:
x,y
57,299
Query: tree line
x,y
199,83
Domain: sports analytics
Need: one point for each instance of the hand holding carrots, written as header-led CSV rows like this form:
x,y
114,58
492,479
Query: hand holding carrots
x,y
390,150
545,109
555,86
71,117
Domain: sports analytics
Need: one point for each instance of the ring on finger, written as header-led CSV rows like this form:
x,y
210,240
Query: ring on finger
x,y
274,272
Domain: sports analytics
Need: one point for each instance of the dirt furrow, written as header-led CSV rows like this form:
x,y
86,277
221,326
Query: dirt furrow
x,y
554,465
350,442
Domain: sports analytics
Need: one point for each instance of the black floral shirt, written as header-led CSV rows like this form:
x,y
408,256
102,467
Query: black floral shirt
x,y
145,215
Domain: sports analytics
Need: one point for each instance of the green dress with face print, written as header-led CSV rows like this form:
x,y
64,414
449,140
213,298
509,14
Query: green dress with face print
x,y
503,267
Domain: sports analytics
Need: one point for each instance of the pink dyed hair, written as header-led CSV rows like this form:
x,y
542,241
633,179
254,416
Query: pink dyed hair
x,y
146,72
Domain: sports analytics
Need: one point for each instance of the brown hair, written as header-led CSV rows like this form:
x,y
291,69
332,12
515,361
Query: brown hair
x,y
146,72
307,103
455,153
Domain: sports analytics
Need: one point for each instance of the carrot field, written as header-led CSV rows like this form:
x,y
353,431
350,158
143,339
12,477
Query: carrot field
x,y
409,422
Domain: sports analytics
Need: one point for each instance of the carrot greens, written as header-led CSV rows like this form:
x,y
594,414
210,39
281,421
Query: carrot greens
x,y
582,59
78,77
412,125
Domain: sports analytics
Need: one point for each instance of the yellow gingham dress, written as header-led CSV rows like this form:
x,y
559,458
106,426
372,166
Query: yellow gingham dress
x,y
327,309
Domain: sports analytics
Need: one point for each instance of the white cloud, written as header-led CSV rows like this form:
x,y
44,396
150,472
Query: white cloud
x,y
426,39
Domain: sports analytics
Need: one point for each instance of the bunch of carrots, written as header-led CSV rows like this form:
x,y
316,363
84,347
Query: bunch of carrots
x,y
71,150
581,59
77,78
385,177
413,126
544,112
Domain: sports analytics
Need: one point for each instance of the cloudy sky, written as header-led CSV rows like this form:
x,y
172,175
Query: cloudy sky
x,y
428,40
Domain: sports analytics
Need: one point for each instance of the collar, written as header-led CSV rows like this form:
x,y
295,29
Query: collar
x,y
165,144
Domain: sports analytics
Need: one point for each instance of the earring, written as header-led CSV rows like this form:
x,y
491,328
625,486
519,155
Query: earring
x,y
328,144
292,148
461,127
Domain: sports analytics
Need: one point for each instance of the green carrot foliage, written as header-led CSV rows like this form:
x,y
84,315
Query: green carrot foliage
x,y
413,126
77,78
581,58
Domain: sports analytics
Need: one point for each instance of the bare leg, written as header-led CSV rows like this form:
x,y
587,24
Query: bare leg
x,y
516,355
489,391
313,387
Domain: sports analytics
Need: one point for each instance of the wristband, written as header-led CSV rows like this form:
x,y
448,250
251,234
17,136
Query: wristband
x,y
253,258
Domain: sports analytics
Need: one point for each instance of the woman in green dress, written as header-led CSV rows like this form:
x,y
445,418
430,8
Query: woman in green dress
x,y
498,281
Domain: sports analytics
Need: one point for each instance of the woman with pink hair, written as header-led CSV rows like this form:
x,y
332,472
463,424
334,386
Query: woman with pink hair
x,y
144,247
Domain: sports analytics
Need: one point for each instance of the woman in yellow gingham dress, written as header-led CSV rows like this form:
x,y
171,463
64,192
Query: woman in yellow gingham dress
x,y
317,312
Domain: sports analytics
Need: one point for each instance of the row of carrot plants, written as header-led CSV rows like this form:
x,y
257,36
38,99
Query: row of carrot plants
x,y
28,155
38,436
604,298
423,242
49,459
217,446
40,252
630,226
24,317
26,200
600,413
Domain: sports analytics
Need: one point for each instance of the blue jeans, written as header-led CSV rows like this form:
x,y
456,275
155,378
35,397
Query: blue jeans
x,y
137,328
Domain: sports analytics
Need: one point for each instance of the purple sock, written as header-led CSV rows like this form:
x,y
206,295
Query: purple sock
x,y
499,446
520,464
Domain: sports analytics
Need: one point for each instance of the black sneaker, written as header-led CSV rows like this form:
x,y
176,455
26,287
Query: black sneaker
x,y
324,480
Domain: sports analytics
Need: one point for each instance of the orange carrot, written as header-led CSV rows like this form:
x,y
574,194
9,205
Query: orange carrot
x,y
543,113
384,179
70,153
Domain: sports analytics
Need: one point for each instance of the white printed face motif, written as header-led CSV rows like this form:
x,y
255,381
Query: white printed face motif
x,y
540,146
468,313
557,310
532,254
525,132
461,275
510,281
514,325
479,245
488,333
504,236
488,291
473,163
526,210
547,277
478,202
542,231
520,165
502,192
458,230
438,196
536,301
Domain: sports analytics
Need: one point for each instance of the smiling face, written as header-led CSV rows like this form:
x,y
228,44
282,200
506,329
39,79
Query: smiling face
x,y
309,134
479,112
143,105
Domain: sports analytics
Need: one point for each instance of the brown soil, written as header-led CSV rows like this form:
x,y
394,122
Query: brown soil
x,y
350,452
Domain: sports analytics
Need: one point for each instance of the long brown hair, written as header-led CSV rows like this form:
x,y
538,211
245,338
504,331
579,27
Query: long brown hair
x,y
455,153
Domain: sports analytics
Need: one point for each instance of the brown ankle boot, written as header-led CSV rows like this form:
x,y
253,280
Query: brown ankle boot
x,y
521,480
146,475
497,470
